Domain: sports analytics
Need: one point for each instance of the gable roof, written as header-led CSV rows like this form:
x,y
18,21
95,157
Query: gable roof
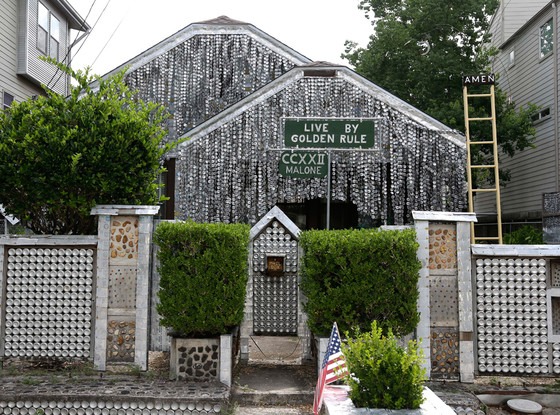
x,y
219,25
274,214
342,72
229,169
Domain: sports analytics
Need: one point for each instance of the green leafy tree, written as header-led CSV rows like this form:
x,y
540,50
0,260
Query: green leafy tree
x,y
60,156
420,50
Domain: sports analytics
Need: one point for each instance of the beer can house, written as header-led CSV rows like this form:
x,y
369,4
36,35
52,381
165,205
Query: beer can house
x,y
268,127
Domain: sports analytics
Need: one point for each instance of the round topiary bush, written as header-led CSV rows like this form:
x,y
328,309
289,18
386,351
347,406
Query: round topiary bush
x,y
203,277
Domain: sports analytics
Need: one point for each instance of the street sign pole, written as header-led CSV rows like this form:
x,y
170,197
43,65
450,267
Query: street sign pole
x,y
329,190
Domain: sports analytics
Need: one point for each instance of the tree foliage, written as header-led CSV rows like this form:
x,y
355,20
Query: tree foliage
x,y
420,50
60,156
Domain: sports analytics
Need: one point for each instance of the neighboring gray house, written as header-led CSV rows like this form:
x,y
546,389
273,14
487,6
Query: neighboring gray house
x,y
526,34
229,86
511,15
30,29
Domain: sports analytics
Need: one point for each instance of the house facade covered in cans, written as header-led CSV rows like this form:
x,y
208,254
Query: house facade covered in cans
x,y
229,89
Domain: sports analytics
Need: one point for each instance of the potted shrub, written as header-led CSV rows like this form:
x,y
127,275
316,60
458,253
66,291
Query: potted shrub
x,y
203,277
384,374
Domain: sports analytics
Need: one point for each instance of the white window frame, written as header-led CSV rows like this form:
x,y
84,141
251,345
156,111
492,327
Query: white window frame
x,y
42,28
7,100
54,37
546,38
511,58
50,29
541,115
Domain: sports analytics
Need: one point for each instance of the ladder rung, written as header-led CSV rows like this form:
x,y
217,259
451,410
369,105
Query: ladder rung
x,y
484,190
480,119
478,95
485,141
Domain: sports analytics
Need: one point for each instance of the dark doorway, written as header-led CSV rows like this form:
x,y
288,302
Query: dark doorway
x,y
312,214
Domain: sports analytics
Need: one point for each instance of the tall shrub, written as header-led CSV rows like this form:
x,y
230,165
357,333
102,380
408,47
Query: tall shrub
x,y
60,156
383,373
354,277
203,276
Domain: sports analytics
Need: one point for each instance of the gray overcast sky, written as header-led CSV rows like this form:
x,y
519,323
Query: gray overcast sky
x,y
314,28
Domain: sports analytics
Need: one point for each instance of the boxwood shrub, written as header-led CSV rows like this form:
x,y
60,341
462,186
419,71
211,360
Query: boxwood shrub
x,y
203,276
384,374
355,277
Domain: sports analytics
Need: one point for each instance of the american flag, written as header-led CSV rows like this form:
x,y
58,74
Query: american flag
x,y
332,368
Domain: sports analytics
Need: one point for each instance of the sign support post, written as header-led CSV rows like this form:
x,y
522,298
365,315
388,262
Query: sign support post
x,y
329,184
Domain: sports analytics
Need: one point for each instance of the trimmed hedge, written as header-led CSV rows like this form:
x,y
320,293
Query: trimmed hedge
x,y
203,270
355,277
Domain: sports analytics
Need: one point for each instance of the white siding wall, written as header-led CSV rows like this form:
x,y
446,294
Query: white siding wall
x,y
529,79
511,16
29,63
15,85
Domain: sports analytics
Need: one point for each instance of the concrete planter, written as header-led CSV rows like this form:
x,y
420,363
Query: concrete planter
x,y
337,402
207,359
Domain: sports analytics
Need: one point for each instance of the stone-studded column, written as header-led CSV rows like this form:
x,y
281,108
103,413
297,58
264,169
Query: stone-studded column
x,y
123,268
445,302
466,311
423,328
101,294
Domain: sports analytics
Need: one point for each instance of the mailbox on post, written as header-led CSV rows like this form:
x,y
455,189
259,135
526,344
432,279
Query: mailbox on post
x,y
275,265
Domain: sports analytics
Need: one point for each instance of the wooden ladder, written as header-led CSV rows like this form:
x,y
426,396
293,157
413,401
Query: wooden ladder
x,y
478,80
